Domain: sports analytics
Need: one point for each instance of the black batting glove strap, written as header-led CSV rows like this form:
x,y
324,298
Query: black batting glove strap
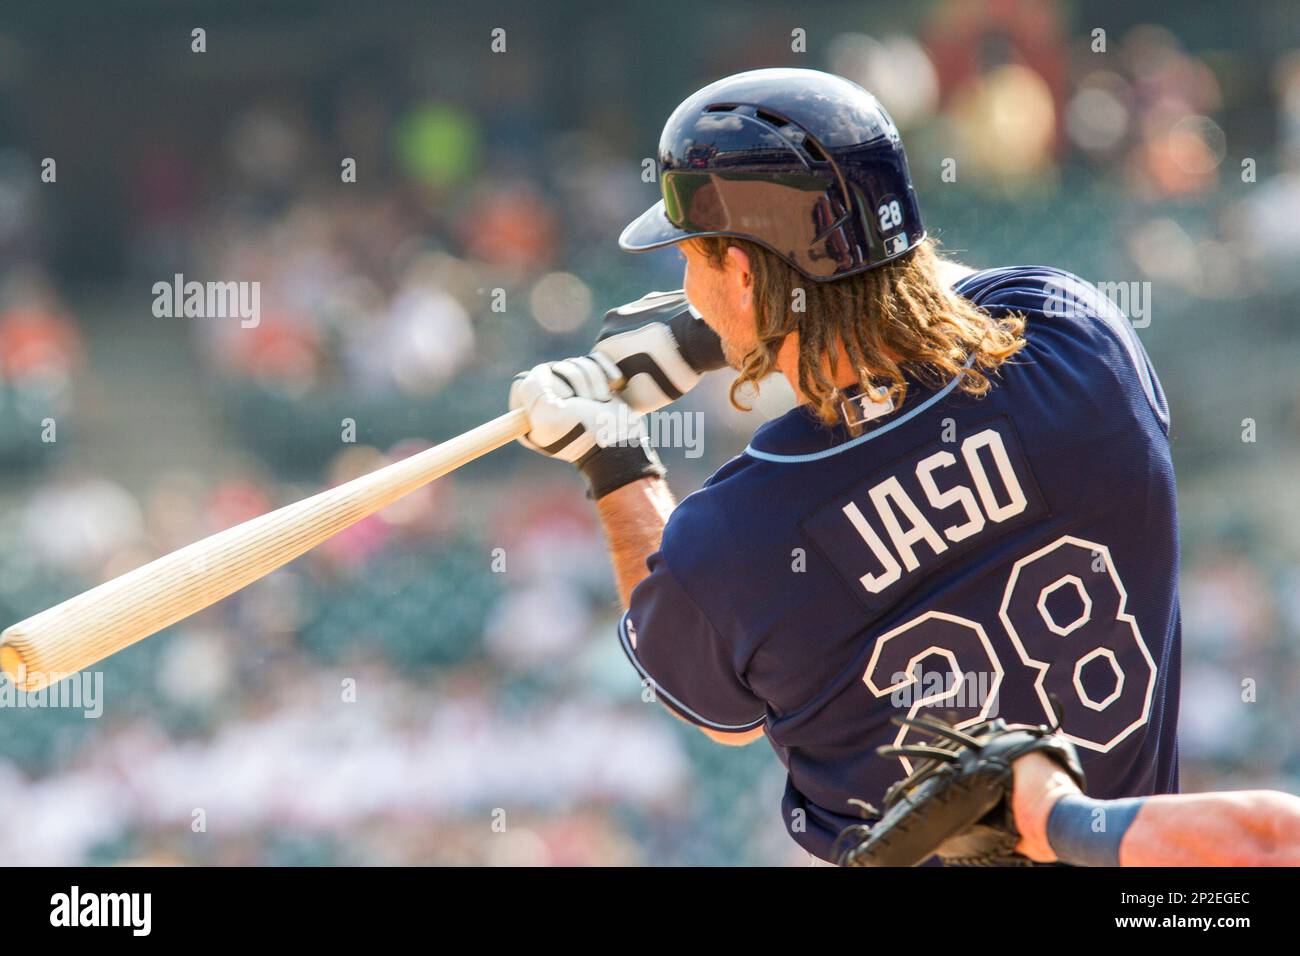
x,y
698,343
660,348
608,469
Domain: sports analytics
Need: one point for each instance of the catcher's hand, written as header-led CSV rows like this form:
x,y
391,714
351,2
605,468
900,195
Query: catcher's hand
x,y
957,801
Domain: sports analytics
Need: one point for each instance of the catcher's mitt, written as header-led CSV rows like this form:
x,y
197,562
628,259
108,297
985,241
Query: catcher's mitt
x,y
957,801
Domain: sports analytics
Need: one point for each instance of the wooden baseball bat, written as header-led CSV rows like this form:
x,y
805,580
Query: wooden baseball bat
x,y
87,628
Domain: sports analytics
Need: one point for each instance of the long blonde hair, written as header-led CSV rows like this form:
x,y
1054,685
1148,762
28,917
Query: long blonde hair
x,y
900,314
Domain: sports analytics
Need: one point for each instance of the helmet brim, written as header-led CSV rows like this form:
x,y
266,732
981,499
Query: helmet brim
x,y
651,230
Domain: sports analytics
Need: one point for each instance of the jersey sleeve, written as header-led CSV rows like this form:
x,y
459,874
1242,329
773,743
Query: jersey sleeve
x,y
672,644
1055,293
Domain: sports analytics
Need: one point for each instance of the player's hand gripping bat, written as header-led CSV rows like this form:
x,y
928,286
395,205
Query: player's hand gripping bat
x,y
659,348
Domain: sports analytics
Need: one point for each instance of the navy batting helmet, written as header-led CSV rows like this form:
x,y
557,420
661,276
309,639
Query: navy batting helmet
x,y
803,162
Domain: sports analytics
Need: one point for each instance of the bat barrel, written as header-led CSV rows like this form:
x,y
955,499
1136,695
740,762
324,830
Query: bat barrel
x,y
85,629
14,664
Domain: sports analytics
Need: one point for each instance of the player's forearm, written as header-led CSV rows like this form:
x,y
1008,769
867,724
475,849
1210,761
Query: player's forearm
x,y
1245,828
634,517
1056,822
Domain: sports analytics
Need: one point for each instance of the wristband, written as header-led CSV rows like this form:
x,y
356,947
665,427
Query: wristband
x,y
1086,832
608,469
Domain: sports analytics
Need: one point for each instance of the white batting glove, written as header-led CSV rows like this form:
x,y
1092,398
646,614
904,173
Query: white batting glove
x,y
661,347
575,416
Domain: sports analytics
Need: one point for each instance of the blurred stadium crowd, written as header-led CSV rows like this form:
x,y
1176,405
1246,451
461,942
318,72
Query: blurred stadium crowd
x,y
441,684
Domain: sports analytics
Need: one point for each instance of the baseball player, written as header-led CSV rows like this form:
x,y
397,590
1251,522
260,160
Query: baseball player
x,y
971,508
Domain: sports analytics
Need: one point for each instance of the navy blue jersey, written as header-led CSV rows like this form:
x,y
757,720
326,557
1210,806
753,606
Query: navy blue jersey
x,y
968,557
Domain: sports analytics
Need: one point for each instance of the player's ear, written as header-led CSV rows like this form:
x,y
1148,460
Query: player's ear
x,y
737,265
741,279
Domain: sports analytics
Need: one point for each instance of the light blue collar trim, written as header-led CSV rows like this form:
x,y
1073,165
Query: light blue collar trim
x,y
854,442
